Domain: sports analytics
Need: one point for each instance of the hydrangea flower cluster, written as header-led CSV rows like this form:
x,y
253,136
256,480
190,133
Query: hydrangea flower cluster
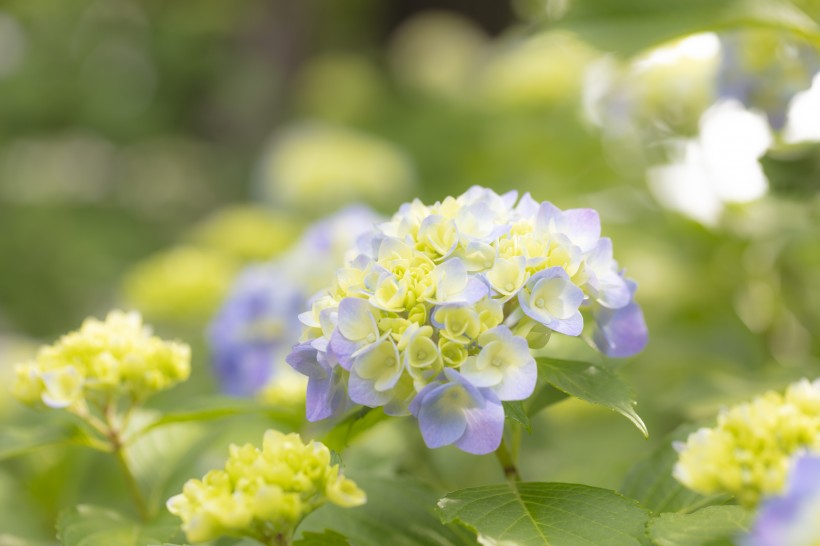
x,y
263,493
251,331
438,313
750,451
118,356
792,519
258,322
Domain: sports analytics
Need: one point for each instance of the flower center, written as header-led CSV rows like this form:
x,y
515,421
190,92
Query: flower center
x,y
371,337
539,303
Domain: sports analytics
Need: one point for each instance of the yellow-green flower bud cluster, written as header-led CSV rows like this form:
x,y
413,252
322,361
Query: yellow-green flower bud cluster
x,y
263,493
118,356
184,284
749,453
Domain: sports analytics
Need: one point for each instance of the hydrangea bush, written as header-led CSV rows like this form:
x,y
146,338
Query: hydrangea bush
x,y
444,312
440,311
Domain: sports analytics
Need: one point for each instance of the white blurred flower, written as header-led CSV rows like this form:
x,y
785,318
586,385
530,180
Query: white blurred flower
x,y
719,167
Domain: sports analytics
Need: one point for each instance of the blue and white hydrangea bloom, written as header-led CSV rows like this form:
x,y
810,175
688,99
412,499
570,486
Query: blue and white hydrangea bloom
x,y
439,312
258,322
792,519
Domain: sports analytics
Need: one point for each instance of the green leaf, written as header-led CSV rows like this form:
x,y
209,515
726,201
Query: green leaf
x,y
398,512
218,407
709,526
793,170
158,454
10,540
328,538
546,514
16,441
650,480
593,383
346,430
93,526
544,396
515,411
630,26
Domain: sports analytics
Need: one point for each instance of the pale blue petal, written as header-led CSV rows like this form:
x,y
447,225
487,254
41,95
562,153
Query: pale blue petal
x,y
620,332
440,424
475,291
519,382
582,226
362,392
355,319
484,426
573,326
304,359
342,348
781,517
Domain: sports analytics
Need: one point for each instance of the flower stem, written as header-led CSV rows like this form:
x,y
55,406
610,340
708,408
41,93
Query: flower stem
x,y
279,539
507,462
131,482
118,448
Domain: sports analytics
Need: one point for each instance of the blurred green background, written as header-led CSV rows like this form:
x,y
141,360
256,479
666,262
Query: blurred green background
x,y
149,149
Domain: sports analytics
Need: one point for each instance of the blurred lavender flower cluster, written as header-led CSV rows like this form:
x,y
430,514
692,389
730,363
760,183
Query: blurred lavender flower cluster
x,y
438,313
792,519
257,324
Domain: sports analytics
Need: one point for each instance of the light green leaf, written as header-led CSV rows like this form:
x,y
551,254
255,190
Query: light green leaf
x,y
398,512
593,383
218,407
15,441
346,430
706,527
629,26
650,481
515,411
328,538
93,526
11,540
546,514
158,454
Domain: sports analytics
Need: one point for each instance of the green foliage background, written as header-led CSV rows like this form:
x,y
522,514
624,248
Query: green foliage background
x,y
124,122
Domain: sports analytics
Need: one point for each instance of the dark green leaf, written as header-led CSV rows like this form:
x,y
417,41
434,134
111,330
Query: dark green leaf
x,y
793,170
93,526
351,426
328,538
398,512
545,395
515,411
546,514
629,26
650,481
711,525
593,383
